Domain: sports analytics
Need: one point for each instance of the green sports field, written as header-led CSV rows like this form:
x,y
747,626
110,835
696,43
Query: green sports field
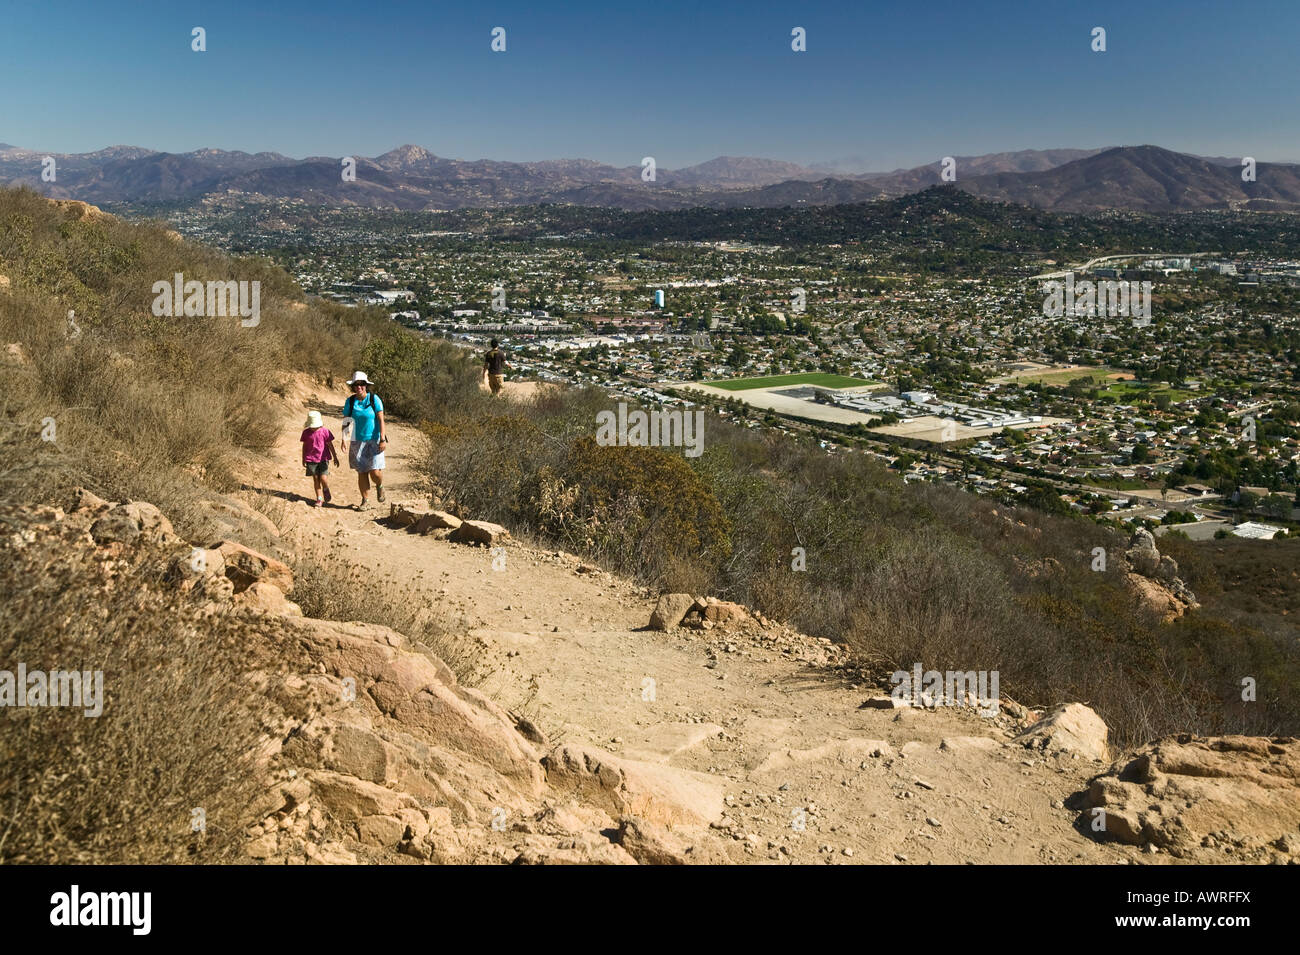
x,y
1059,379
777,381
1129,390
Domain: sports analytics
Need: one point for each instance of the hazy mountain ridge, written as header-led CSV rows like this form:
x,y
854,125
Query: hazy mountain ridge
x,y
1147,179
411,177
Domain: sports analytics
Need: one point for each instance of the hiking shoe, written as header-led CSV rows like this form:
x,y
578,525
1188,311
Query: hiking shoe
x,y
319,502
364,505
379,493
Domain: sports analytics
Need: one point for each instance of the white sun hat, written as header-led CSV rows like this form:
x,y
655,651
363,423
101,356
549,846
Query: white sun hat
x,y
313,419
358,377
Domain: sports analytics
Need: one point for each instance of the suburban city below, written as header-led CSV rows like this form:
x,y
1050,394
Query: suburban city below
x,y
883,343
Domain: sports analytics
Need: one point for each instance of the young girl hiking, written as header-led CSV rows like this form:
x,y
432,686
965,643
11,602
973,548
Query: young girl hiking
x,y
317,449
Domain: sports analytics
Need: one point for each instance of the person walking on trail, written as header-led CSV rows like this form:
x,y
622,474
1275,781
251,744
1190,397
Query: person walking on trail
x,y
494,362
363,415
317,449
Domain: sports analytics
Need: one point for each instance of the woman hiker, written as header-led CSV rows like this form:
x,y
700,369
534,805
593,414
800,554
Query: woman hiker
x,y
364,417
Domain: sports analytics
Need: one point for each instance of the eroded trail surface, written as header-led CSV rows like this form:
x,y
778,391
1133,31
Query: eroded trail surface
x,y
799,771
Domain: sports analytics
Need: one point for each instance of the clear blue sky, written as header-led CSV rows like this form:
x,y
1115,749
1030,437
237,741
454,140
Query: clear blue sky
x,y
894,83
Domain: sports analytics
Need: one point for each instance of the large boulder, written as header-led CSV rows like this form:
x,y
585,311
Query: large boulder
x,y
231,517
1071,728
479,532
1218,795
245,567
670,610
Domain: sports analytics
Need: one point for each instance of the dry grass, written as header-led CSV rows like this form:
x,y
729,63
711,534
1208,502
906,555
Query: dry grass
x,y
144,408
145,404
326,587
180,725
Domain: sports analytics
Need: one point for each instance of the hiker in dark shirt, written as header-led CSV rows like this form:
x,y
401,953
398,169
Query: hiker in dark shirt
x,y
494,362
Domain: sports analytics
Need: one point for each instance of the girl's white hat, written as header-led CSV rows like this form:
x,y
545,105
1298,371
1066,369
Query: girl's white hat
x,y
313,419
358,376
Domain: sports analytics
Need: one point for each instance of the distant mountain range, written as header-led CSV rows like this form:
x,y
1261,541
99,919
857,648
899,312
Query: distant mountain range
x,y
1133,178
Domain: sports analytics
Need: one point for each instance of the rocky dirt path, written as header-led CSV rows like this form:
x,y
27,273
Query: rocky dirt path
x,y
807,775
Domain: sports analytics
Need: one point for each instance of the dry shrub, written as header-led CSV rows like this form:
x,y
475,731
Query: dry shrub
x,y
783,593
424,378
644,509
639,511
327,587
181,719
934,600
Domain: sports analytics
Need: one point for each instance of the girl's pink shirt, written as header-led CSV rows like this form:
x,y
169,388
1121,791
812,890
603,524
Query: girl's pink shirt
x,y
315,441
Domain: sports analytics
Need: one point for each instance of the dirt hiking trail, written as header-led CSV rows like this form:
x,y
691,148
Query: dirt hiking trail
x,y
808,776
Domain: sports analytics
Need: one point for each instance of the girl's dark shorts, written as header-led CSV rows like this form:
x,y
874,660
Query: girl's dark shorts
x,y
318,467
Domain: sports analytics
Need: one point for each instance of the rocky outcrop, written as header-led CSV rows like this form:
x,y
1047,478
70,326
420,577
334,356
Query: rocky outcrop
x,y
420,694
372,748
80,211
1142,555
1153,577
128,522
655,793
1216,797
245,567
229,517
1071,728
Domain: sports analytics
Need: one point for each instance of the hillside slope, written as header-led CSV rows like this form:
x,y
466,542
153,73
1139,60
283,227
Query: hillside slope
x,y
773,718
360,692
